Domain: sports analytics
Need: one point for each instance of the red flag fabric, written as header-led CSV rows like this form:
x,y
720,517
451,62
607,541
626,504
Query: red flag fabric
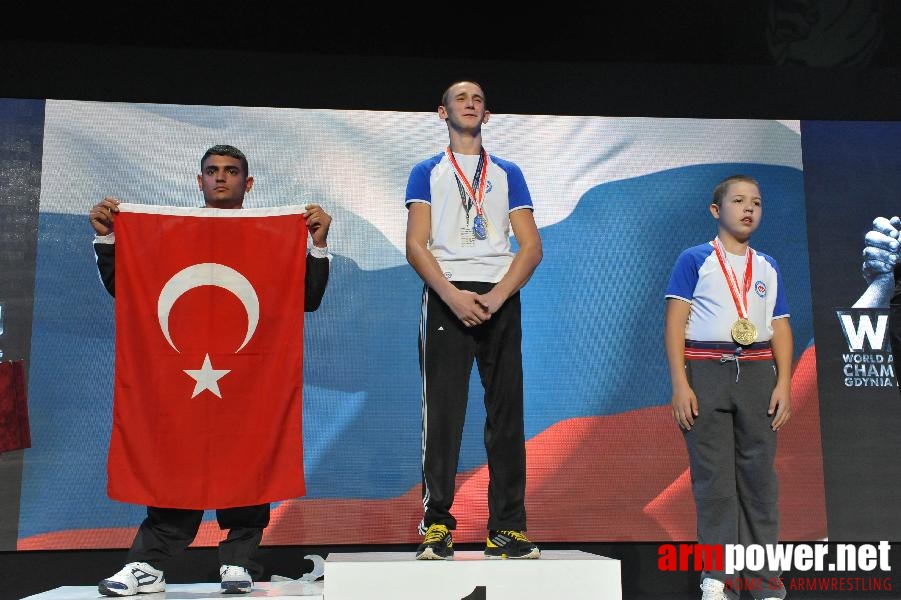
x,y
15,434
209,356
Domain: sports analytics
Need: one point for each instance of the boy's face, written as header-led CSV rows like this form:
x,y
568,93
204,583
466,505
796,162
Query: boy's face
x,y
740,211
223,182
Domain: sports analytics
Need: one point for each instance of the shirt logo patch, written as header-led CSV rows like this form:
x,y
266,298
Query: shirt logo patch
x,y
488,186
760,288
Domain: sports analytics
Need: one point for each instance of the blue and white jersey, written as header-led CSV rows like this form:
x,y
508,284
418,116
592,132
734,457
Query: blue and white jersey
x,y
460,255
697,278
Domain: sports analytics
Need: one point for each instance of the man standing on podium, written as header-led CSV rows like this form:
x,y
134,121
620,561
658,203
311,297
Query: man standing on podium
x,y
462,204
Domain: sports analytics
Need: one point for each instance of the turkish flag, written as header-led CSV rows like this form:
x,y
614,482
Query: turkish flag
x,y
209,356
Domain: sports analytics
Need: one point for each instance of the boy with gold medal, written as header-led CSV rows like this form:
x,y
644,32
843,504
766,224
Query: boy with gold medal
x,y
729,347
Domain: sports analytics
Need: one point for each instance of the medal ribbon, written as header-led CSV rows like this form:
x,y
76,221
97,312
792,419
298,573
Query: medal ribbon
x,y
469,196
741,304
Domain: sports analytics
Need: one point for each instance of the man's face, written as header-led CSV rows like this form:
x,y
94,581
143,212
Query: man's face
x,y
465,107
223,182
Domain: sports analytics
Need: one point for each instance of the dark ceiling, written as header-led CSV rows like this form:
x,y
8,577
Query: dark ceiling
x,y
850,33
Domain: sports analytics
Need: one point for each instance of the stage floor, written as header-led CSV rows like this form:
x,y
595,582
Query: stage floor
x,y
196,591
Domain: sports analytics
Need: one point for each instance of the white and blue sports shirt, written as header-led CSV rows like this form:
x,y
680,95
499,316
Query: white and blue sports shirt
x,y
698,279
432,181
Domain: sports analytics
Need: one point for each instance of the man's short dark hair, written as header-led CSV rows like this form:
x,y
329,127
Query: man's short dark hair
x,y
444,98
226,150
719,192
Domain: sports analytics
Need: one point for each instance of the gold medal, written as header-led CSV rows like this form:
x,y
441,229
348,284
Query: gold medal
x,y
744,332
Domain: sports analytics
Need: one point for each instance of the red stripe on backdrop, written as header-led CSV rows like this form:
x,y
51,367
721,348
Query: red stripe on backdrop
x,y
595,479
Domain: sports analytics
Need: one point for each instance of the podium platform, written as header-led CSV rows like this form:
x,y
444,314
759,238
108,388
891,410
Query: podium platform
x,y
569,574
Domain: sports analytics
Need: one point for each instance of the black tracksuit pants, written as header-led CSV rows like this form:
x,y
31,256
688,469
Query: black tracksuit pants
x,y
166,532
447,349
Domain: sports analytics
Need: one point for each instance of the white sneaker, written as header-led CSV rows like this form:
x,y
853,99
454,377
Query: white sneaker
x,y
134,578
713,589
235,580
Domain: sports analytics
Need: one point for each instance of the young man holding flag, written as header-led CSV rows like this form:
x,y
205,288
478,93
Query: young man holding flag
x,y
188,435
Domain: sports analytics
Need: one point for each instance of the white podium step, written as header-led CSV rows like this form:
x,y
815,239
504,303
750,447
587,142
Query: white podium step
x,y
284,590
569,574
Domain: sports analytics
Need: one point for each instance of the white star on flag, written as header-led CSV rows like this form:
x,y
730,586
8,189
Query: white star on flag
x,y
207,377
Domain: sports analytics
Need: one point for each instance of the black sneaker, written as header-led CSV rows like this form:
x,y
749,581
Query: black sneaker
x,y
438,544
510,544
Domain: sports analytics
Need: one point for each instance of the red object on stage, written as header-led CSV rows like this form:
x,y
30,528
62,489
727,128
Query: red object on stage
x,y
15,433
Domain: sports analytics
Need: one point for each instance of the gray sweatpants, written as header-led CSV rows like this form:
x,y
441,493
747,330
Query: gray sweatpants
x,y
732,451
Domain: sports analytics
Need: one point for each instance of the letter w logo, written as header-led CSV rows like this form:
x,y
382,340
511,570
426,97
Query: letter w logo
x,y
859,330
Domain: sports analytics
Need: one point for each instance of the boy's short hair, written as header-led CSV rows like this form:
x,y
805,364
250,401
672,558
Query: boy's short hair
x,y
719,192
225,150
